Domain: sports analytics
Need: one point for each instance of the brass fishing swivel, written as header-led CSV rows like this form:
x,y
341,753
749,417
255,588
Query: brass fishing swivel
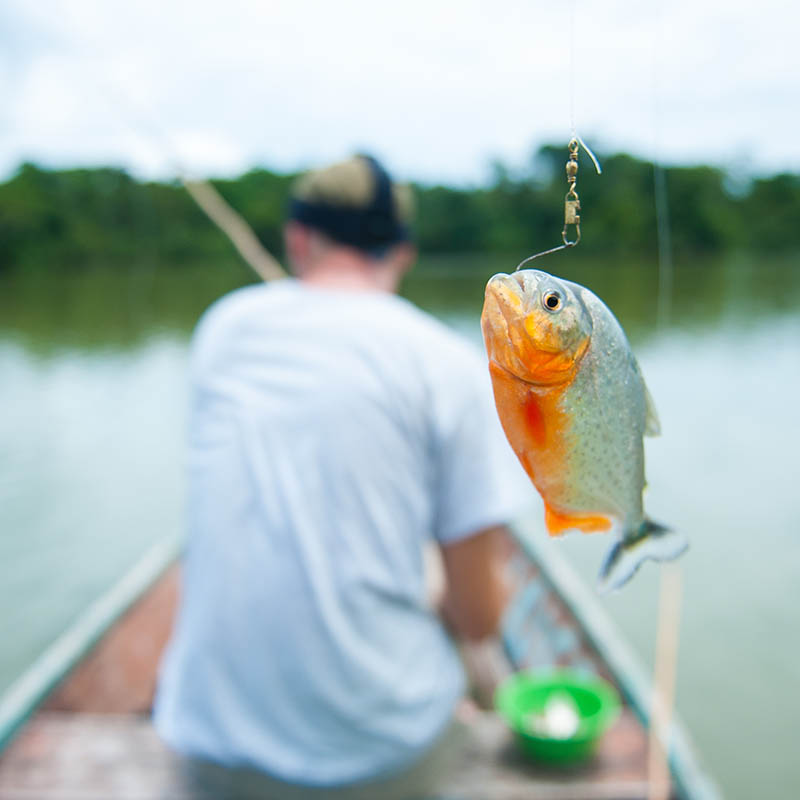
x,y
572,203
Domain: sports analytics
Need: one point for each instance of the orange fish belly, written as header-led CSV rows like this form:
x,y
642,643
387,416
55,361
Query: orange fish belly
x,y
537,429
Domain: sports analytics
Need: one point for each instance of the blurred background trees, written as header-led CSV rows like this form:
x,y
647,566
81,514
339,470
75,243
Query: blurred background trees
x,y
66,218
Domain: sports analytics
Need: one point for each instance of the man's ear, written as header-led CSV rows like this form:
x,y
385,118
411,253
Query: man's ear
x,y
402,257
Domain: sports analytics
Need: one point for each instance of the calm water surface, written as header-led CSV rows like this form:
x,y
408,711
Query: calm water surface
x,y
93,393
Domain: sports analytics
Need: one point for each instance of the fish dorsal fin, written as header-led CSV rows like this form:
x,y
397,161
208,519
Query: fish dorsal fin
x,y
652,426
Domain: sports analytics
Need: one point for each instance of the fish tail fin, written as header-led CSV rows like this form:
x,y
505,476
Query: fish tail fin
x,y
653,541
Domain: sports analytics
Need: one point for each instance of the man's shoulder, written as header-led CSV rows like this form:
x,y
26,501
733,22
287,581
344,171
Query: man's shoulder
x,y
235,309
391,324
242,301
444,358
446,346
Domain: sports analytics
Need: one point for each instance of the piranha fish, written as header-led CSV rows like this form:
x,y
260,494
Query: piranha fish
x,y
574,406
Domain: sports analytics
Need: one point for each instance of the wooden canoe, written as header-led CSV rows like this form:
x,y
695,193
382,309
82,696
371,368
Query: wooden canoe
x,y
76,725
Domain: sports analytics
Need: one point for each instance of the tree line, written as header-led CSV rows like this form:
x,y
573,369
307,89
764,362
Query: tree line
x,y
65,218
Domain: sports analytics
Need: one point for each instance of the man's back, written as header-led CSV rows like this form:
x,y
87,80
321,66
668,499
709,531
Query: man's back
x,y
333,433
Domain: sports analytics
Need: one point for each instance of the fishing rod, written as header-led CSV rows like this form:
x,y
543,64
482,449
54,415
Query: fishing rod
x,y
234,226
201,190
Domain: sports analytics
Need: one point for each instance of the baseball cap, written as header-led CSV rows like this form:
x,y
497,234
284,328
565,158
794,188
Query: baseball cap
x,y
354,202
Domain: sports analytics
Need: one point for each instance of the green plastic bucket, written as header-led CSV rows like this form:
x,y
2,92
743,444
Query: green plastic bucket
x,y
558,716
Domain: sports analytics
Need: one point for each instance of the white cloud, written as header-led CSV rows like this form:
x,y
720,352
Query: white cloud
x,y
436,88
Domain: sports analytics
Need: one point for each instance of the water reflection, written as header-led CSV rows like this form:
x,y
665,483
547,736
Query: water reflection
x,y
706,293
100,309
92,309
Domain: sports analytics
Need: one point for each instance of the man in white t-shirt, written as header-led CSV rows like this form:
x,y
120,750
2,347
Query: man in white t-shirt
x,y
335,431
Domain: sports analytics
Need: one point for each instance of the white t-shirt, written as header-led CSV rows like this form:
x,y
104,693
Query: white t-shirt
x,y
331,435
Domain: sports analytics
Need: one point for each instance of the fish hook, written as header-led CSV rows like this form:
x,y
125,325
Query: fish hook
x,y
572,203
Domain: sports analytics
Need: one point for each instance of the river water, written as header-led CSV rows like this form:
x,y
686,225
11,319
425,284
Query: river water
x,y
92,377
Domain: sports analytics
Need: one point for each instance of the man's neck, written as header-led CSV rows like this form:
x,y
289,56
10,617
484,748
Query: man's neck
x,y
342,271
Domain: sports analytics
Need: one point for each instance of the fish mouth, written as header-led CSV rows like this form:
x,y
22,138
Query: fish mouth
x,y
517,331
507,296
515,297
513,285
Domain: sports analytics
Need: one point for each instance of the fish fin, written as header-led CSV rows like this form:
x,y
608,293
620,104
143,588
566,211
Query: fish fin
x,y
653,541
652,425
558,522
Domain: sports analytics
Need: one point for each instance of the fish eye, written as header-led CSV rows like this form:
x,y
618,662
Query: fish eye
x,y
552,301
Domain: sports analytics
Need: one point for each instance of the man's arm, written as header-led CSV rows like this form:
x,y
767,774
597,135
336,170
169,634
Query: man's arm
x,y
476,589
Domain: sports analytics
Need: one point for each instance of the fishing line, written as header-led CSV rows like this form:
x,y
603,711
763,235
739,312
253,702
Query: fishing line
x,y
211,202
664,239
202,191
670,590
572,204
664,678
663,232
572,68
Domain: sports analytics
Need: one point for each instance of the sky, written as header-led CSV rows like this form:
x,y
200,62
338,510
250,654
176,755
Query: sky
x,y
436,89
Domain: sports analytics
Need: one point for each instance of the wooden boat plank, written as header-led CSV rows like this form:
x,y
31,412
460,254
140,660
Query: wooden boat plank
x,y
68,756
491,766
119,673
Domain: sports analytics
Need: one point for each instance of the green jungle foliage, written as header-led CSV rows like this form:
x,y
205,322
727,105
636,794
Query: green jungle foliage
x,y
64,218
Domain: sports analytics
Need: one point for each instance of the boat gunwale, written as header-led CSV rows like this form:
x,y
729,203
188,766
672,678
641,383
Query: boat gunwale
x,y
23,697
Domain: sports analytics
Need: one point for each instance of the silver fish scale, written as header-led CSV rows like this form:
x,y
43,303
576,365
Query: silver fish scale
x,y
607,408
